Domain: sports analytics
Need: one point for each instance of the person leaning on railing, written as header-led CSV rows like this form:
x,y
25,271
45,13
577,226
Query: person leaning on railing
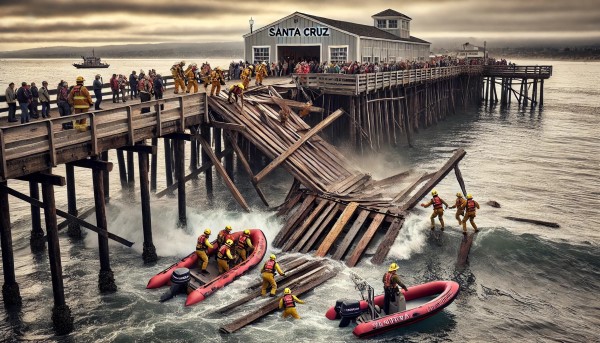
x,y
11,101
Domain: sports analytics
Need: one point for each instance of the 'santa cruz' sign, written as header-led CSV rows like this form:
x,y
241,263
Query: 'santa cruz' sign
x,y
298,31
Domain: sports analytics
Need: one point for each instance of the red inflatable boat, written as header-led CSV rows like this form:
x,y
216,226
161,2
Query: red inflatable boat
x,y
201,285
446,292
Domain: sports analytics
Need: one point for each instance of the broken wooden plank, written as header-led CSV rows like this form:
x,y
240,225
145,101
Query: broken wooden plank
x,y
465,249
314,238
289,204
279,159
80,215
412,187
354,229
460,180
365,240
314,226
299,232
412,202
388,240
534,221
337,229
392,179
291,222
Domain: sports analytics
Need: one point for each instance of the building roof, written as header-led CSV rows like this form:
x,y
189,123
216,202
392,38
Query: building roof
x,y
391,13
362,30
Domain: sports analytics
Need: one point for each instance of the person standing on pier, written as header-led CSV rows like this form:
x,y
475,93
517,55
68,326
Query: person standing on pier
x,y
471,206
114,87
261,73
216,80
45,100
391,282
268,275
24,97
97,91
458,205
11,101
81,100
62,101
177,72
159,89
35,99
224,256
202,246
190,75
289,301
438,209
133,92
246,76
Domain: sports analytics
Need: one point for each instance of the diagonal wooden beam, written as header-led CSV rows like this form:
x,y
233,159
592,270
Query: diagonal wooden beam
x,y
336,229
281,158
228,126
365,240
221,170
55,180
388,240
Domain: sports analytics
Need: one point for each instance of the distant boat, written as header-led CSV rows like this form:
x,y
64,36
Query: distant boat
x,y
91,62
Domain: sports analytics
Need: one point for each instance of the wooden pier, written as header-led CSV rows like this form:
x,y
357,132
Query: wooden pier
x,y
331,208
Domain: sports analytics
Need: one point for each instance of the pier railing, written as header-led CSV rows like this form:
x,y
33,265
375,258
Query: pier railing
x,y
358,83
43,144
518,72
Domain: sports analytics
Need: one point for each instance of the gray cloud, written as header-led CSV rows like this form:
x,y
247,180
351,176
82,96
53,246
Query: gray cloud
x,y
62,27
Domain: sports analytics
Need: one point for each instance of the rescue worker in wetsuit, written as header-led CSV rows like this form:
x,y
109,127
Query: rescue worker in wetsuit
x,y
236,90
268,275
178,75
288,303
216,77
246,76
470,206
458,204
438,209
224,235
261,73
391,281
244,244
190,75
224,256
81,100
202,246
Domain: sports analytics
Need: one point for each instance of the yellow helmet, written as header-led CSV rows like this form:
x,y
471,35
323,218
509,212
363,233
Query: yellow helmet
x,y
459,194
469,196
207,232
80,79
393,267
264,63
229,242
434,192
287,291
228,228
247,232
273,257
241,86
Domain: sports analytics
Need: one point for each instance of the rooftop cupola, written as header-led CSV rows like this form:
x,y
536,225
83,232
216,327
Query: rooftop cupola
x,y
393,22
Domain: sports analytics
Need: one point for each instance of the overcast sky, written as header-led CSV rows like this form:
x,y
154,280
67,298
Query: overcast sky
x,y
40,23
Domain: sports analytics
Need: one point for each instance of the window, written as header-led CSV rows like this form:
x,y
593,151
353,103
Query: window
x,y
392,24
261,54
405,25
338,55
381,24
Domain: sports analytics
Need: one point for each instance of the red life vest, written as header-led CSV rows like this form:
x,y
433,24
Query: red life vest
x,y
223,236
437,202
288,301
242,241
470,205
269,267
387,280
200,244
236,90
223,252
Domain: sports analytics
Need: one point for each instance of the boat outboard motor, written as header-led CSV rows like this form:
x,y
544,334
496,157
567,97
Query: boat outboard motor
x,y
179,282
349,310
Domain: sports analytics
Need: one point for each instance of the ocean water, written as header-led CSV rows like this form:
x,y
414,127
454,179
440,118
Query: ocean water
x,y
524,283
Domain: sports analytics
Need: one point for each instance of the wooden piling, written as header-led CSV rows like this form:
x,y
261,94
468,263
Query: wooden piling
x,y
180,171
130,170
168,161
37,240
154,167
205,134
541,94
61,313
74,230
104,157
10,289
149,252
122,168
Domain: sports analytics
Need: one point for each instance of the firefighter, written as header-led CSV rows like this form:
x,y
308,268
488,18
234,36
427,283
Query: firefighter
x,y
244,245
224,256
438,209
288,303
236,90
471,206
190,75
458,205
178,75
261,73
81,100
246,75
216,78
224,235
391,281
202,246
268,275
205,75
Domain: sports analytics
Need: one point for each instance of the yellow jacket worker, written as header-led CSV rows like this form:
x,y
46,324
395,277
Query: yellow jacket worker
x,y
216,77
261,73
190,75
243,245
471,207
246,76
288,303
458,205
202,246
268,275
81,100
177,72
438,210
224,256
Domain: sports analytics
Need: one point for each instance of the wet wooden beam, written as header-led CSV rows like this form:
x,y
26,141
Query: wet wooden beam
x,y
336,229
180,173
93,164
139,148
302,211
279,159
228,126
79,214
388,240
299,232
40,177
365,240
352,232
534,221
10,290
